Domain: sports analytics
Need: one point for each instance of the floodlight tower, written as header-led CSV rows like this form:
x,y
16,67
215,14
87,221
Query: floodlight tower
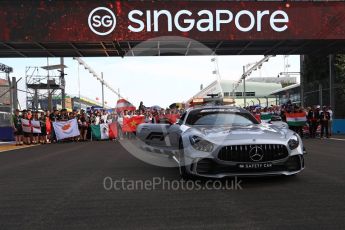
x,y
248,72
44,87
99,78
216,72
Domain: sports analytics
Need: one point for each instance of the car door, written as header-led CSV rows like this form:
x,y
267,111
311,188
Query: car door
x,y
153,134
161,135
174,132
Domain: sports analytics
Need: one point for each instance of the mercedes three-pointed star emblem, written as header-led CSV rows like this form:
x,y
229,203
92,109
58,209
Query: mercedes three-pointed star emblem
x,y
256,153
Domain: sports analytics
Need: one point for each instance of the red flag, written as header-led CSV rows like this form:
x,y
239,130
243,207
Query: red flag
x,y
48,126
258,117
130,124
172,118
113,130
123,104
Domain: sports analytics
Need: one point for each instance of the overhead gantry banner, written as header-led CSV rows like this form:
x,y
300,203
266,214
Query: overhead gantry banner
x,y
92,21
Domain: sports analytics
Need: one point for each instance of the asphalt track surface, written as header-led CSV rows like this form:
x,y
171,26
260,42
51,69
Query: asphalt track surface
x,y
60,186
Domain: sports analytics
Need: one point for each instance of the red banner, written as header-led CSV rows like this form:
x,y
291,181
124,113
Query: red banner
x,y
130,124
103,20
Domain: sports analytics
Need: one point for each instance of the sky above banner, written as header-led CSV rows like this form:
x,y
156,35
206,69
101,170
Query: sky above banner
x,y
153,80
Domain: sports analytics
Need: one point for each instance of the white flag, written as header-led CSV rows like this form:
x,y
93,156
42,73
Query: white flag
x,y
26,125
104,131
36,127
66,129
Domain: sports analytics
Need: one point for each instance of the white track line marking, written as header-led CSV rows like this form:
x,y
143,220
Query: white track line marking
x,y
337,139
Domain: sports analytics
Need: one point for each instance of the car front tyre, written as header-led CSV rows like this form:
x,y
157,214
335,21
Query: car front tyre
x,y
183,170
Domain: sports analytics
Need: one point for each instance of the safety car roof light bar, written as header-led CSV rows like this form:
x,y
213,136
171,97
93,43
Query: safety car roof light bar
x,y
212,101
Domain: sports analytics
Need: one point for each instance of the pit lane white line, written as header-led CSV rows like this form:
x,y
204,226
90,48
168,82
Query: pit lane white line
x,y
337,139
17,148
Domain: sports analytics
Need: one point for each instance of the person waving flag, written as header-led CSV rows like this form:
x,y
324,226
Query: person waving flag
x,y
123,104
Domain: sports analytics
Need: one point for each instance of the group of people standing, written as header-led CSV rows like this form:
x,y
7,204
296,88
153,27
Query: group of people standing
x,y
85,120
22,137
46,119
315,117
323,117
147,115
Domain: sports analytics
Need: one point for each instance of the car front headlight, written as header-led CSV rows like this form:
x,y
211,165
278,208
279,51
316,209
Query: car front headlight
x,y
293,142
201,144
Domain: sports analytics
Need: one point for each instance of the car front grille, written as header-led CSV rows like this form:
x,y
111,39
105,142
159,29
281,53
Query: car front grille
x,y
242,153
207,166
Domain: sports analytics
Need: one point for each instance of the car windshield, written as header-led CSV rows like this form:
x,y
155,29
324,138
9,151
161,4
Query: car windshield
x,y
215,117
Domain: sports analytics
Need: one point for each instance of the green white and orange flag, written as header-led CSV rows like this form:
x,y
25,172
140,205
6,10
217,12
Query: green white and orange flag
x,y
265,117
296,119
104,131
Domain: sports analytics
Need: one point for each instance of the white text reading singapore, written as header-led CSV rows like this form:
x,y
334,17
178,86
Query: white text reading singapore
x,y
206,20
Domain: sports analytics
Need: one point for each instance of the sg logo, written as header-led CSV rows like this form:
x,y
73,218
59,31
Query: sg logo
x,y
102,21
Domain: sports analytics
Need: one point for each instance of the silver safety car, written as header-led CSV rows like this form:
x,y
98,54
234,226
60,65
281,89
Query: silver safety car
x,y
219,141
